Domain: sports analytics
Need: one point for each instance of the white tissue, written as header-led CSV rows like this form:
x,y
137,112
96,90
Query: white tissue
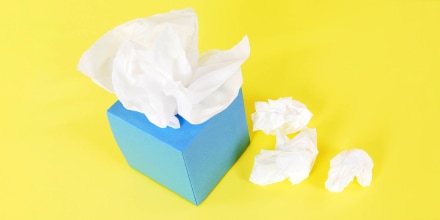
x,y
283,115
153,67
347,165
291,159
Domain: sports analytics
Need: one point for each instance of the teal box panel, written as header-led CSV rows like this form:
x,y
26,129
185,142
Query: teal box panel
x,y
190,160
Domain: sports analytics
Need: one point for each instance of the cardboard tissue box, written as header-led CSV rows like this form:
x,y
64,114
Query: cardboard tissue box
x,y
179,118
190,160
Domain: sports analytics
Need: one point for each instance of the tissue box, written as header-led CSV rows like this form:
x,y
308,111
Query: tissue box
x,y
190,160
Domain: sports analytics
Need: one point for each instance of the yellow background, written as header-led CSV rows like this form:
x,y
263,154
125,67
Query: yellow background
x,y
368,70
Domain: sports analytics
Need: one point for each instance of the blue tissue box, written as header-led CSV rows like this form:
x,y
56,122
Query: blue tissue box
x,y
190,160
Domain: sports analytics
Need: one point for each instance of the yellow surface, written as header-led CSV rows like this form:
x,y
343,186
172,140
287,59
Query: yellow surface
x,y
370,73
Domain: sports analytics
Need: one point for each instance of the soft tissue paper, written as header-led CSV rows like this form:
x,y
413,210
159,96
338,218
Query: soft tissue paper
x,y
291,159
347,165
153,66
180,117
284,115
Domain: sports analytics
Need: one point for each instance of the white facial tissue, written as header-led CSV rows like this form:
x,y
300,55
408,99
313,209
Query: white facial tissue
x,y
283,115
291,159
153,66
347,165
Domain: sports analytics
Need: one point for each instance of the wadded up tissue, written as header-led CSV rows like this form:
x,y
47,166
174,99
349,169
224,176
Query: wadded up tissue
x,y
347,165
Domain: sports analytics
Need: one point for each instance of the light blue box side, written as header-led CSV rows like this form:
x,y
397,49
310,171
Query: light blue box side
x,y
147,154
176,138
218,146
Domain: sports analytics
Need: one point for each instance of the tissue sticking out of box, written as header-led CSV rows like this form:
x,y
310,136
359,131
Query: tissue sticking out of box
x,y
347,165
283,115
291,159
153,66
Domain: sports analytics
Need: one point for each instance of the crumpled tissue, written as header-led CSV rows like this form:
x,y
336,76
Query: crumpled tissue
x,y
292,158
283,115
153,66
347,165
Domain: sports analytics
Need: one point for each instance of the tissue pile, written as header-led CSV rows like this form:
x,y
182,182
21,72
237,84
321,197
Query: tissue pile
x,y
153,66
295,158
291,159
347,165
